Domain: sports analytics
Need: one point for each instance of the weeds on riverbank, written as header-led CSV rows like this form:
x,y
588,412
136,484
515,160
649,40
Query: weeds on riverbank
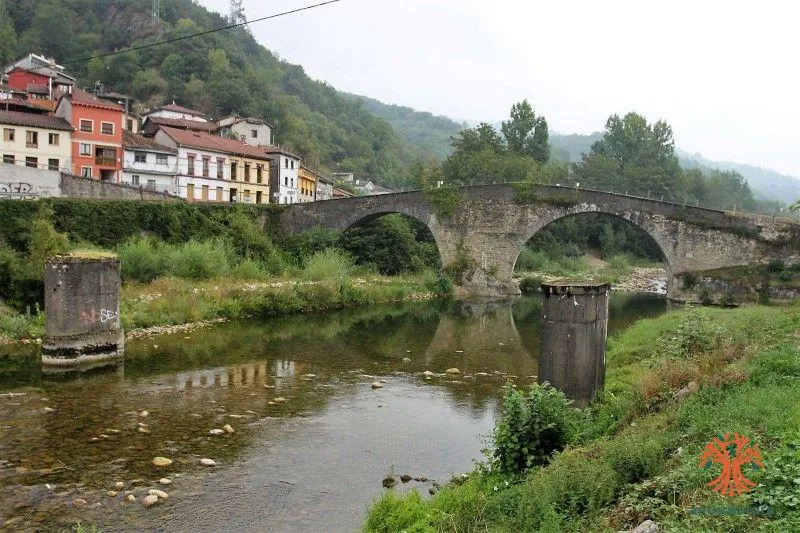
x,y
673,384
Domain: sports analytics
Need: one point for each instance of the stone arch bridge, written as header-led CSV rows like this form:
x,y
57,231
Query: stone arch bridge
x,y
489,224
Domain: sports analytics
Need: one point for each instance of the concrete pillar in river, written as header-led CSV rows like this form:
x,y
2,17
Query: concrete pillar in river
x,y
81,305
573,338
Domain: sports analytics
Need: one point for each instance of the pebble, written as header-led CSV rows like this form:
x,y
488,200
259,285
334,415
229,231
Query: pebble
x,y
389,482
119,485
79,502
310,375
208,462
279,399
452,371
143,430
228,429
165,481
131,498
144,413
112,493
406,359
161,461
149,500
428,374
405,478
217,431
48,409
160,494
377,385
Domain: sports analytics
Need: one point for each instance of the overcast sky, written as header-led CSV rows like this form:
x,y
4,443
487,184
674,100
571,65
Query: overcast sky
x,y
724,75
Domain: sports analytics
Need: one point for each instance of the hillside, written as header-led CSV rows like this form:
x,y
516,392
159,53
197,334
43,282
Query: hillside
x,y
218,73
425,132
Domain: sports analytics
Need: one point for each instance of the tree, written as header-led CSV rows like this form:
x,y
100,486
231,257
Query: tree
x,y
8,36
149,86
526,134
635,157
51,30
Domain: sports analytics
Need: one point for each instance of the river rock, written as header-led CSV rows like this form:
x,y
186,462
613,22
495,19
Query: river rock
x,y
228,429
48,409
389,482
119,485
79,502
428,374
406,359
149,500
405,478
648,526
143,430
161,461
112,493
217,431
160,494
144,413
208,462
165,481
131,498
279,399
377,385
452,371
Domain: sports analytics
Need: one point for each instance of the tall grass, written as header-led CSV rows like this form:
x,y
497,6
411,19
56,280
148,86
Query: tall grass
x,y
328,264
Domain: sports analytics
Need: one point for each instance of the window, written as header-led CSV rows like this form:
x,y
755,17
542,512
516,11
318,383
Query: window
x,y
161,159
259,168
286,181
86,149
233,170
86,126
129,124
8,134
151,184
219,194
258,197
31,162
86,172
190,191
139,157
107,128
205,166
190,169
253,133
204,193
286,161
135,180
31,139
247,172
52,139
292,163
220,172
8,158
52,164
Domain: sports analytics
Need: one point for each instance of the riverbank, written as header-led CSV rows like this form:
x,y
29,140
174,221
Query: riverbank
x,y
168,305
673,384
633,279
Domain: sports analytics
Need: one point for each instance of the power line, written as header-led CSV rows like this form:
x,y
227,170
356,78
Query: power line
x,y
199,34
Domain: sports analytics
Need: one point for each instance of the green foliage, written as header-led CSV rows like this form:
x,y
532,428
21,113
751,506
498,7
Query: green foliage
x,y
328,264
142,260
438,284
530,284
526,134
531,428
44,243
697,332
461,264
780,483
198,260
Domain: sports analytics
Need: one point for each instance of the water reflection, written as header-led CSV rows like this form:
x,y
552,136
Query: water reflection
x,y
332,439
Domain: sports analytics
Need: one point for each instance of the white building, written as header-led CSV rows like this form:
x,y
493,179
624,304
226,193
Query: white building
x,y
324,189
148,164
253,131
283,178
176,111
202,171
36,140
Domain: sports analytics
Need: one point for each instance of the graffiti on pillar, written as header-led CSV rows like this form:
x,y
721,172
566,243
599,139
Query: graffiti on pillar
x,y
17,189
104,316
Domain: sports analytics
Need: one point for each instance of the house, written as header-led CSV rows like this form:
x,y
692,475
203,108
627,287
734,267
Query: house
x,y
148,164
253,131
308,184
153,123
284,181
214,169
131,119
97,135
363,189
174,110
36,140
39,77
324,189
340,193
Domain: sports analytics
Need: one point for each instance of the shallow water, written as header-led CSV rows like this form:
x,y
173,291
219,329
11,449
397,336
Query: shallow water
x,y
311,463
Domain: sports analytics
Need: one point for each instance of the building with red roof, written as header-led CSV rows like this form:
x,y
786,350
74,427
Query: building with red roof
x,y
97,139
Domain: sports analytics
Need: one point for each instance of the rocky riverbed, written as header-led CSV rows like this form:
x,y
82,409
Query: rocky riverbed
x,y
640,279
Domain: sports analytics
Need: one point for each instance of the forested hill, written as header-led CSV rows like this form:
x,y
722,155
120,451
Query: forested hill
x,y
219,73
423,131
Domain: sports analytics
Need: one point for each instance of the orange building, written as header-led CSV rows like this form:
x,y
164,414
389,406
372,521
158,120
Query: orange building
x,y
97,139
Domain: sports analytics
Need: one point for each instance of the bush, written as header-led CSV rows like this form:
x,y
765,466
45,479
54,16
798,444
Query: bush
x,y
249,241
44,243
530,284
199,260
328,264
249,269
440,285
532,427
142,259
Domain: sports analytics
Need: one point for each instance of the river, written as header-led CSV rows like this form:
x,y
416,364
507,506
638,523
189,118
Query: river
x,y
312,462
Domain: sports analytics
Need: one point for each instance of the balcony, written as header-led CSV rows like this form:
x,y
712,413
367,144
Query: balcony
x,y
105,157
